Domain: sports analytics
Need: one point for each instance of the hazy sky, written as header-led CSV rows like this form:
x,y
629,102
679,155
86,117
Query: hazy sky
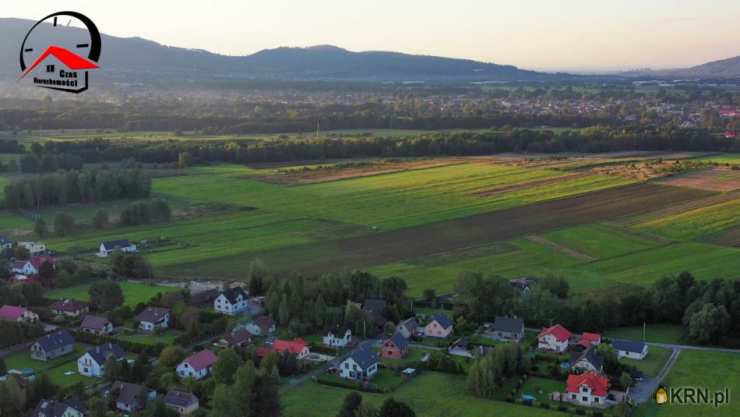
x,y
537,34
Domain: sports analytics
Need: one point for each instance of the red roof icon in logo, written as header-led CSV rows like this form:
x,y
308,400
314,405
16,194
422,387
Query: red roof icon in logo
x,y
68,58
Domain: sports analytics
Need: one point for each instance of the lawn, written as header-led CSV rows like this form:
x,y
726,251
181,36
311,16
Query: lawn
x,y
430,395
166,338
653,362
657,333
54,368
540,388
133,293
713,370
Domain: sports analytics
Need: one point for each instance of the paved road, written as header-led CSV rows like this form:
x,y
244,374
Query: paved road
x,y
644,390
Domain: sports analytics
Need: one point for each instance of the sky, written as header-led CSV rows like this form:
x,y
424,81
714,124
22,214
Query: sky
x,y
580,35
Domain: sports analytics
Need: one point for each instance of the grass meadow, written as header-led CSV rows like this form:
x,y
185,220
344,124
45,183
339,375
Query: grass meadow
x,y
133,293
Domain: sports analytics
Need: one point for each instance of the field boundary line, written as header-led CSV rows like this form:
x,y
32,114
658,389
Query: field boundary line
x,y
561,248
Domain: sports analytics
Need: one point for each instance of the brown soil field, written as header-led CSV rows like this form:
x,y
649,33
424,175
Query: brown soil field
x,y
469,232
339,172
720,179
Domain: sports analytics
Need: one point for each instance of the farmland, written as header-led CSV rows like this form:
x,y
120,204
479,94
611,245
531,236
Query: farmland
x,y
427,221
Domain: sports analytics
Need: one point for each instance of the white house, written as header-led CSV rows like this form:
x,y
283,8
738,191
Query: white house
x,y
24,268
588,389
107,248
339,337
361,365
153,319
554,338
197,365
231,301
408,327
92,362
5,243
51,408
630,349
34,248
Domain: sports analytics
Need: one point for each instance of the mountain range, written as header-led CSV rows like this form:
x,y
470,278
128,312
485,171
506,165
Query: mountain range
x,y
137,59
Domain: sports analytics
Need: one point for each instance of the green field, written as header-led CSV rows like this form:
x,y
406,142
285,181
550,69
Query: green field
x,y
133,293
166,338
656,333
712,370
699,222
430,395
601,241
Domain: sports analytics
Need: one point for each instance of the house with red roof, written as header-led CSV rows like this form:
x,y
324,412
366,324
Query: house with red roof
x,y
298,347
197,365
730,134
589,339
554,338
588,389
18,314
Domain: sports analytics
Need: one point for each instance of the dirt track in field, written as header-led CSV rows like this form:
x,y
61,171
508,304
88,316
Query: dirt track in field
x,y
529,184
431,239
560,248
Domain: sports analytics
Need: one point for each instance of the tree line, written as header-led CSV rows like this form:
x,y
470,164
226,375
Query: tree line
x,y
86,186
588,140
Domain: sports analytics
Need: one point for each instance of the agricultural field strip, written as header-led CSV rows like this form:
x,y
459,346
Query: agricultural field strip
x,y
502,225
697,222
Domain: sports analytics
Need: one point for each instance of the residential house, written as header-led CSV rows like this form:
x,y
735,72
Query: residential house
x,y
53,345
507,329
440,326
231,301
588,389
462,347
5,243
396,347
18,314
374,308
184,403
96,325
107,248
92,362
298,347
204,297
52,408
630,349
31,267
588,360
408,328
33,248
69,308
131,397
523,284
361,365
198,365
153,319
589,339
236,338
261,326
338,337
554,338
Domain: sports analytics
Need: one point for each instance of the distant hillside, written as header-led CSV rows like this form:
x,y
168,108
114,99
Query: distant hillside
x,y
125,58
723,69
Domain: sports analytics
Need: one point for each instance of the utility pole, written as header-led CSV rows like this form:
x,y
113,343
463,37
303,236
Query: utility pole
x,y
317,128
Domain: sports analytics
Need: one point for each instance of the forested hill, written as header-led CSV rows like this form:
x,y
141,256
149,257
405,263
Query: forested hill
x,y
131,59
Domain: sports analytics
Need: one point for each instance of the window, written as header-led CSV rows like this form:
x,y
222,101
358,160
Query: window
x,y
573,396
596,400
584,398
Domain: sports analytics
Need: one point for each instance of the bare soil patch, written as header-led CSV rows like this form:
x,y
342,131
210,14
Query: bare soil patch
x,y
720,179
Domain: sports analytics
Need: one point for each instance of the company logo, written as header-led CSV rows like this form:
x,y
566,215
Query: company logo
x,y
59,51
692,396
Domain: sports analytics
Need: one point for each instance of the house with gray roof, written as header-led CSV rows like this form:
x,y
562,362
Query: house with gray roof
x,y
131,397
631,349
408,328
184,403
506,329
153,319
52,408
52,345
361,365
588,360
92,362
108,247
96,325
